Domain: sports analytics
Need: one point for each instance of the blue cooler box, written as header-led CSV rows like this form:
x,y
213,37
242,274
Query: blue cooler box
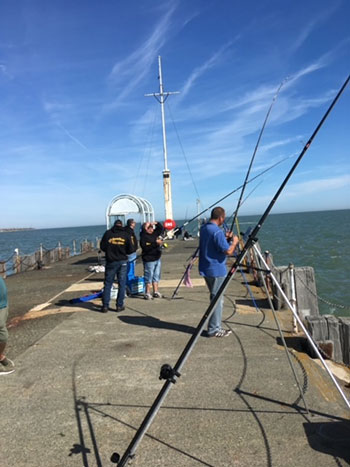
x,y
136,285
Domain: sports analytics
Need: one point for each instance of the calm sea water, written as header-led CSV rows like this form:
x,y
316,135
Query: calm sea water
x,y
317,239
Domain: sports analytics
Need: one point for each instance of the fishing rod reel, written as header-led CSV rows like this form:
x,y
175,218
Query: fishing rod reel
x,y
115,458
167,372
163,245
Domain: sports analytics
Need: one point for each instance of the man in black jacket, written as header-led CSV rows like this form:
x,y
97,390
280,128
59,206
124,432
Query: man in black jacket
x,y
151,243
117,245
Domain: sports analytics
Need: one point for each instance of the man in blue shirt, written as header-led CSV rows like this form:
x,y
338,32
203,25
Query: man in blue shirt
x,y
214,247
6,365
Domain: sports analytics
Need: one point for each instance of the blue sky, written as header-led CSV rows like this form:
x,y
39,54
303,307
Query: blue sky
x,y
76,129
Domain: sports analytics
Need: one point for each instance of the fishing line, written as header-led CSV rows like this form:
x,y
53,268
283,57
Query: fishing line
x,y
169,374
254,153
183,152
147,149
150,151
248,195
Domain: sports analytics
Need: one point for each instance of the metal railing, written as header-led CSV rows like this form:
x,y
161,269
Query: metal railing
x,y
42,257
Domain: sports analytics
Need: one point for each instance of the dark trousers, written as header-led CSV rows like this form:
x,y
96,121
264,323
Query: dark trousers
x,y
114,268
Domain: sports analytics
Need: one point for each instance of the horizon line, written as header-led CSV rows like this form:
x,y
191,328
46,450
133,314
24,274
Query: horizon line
x,y
12,229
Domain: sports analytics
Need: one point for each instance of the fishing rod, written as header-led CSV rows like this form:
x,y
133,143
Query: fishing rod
x,y
172,374
254,153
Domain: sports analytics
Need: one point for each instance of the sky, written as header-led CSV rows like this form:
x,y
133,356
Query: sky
x,y
76,128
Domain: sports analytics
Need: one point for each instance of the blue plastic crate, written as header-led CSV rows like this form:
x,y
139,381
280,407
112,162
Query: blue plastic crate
x,y
136,285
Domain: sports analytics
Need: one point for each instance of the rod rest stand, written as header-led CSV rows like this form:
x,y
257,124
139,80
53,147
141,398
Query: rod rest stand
x,y
167,372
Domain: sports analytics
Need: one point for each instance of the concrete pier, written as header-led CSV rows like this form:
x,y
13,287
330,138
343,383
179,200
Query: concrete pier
x,y
85,380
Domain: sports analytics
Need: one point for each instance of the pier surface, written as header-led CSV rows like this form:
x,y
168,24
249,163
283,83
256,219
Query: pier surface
x,y
85,380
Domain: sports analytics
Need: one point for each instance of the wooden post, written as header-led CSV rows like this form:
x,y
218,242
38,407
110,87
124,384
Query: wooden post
x,y
269,262
17,261
293,298
40,261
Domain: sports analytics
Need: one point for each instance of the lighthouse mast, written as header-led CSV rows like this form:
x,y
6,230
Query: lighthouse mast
x,y
161,98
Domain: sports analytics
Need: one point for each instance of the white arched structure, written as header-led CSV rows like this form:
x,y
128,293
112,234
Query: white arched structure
x,y
123,205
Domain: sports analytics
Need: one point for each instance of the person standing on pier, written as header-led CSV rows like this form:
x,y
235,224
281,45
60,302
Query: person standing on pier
x,y
130,228
117,245
214,247
6,365
151,242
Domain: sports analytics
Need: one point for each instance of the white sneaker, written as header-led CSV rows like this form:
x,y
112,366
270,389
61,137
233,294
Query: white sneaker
x,y
157,295
6,366
147,296
223,333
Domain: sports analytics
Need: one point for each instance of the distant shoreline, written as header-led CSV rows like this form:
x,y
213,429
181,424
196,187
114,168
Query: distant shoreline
x,y
17,230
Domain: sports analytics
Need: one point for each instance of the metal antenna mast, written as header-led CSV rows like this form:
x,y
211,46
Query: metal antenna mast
x,y
161,98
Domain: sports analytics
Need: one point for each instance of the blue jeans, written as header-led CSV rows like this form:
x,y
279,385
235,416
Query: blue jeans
x,y
114,268
151,271
131,266
214,284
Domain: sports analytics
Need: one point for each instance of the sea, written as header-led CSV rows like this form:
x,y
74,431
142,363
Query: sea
x,y
318,239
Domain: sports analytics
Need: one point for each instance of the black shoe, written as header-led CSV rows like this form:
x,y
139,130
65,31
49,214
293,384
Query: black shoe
x,y
120,308
104,309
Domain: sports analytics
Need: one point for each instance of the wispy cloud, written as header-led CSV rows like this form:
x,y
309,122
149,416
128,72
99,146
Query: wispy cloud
x,y
4,71
53,107
289,108
226,140
301,196
316,21
132,70
321,63
303,35
279,143
73,138
199,71
261,93
253,106
318,185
